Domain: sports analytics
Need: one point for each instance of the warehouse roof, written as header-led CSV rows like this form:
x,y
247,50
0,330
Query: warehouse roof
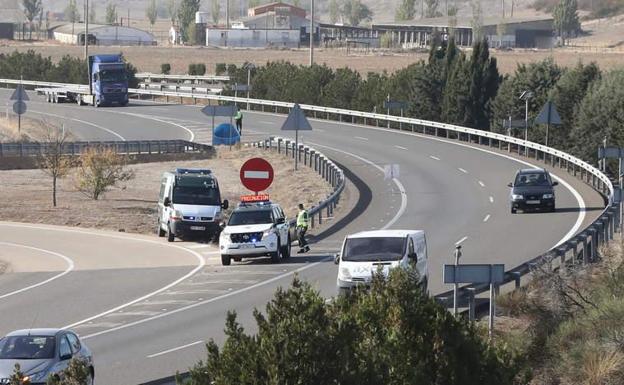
x,y
461,22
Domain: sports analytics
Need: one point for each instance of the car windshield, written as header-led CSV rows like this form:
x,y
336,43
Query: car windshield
x,y
116,76
532,179
257,217
374,249
27,347
193,190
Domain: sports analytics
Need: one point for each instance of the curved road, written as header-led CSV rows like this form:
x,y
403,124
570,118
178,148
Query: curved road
x,y
145,307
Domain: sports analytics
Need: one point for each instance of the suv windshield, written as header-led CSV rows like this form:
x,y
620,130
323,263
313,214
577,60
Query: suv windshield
x,y
532,179
258,217
27,347
373,249
116,76
193,190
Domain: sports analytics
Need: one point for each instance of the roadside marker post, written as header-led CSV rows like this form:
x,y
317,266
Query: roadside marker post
x,y
296,121
19,107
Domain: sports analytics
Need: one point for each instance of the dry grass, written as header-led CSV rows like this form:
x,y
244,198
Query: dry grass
x,y
149,58
31,129
132,208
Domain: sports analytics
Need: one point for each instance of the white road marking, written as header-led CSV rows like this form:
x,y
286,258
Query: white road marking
x,y
487,217
491,199
401,147
462,170
434,157
361,138
70,267
199,246
481,184
79,121
175,349
461,240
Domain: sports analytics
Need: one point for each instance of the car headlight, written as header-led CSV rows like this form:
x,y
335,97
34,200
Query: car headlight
x,y
35,377
548,196
224,234
345,274
517,197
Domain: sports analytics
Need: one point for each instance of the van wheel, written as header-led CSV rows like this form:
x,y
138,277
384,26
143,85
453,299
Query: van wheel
x,y
275,257
170,234
160,231
286,249
226,260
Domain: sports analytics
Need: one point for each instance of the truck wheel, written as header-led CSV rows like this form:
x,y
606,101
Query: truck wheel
x,y
160,231
170,234
275,257
79,100
237,259
286,249
55,98
226,260
48,97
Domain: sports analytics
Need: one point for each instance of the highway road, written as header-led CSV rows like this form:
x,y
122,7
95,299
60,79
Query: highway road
x,y
145,307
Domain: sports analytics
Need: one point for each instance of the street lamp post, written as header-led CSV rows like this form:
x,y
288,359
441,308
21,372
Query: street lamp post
x,y
455,287
526,95
311,32
250,67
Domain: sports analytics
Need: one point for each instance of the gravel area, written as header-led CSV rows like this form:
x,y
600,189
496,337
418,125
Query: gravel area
x,y
132,207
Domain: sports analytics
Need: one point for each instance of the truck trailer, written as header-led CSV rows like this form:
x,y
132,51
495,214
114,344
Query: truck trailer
x,y
108,84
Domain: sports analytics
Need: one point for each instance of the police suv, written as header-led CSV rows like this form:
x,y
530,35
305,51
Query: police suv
x,y
255,229
189,203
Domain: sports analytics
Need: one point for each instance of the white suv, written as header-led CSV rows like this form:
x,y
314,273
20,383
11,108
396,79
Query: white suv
x,y
255,230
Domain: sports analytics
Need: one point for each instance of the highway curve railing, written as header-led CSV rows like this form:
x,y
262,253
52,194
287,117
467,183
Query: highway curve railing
x,y
580,248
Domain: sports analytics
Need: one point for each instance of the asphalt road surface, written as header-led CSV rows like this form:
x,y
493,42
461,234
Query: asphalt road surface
x,y
145,307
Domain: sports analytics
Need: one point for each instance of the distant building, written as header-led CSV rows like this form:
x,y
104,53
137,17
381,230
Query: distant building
x,y
536,32
102,35
10,15
277,7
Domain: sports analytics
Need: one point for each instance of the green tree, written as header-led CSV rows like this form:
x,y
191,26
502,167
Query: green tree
x,y
71,12
567,96
186,16
343,88
356,12
32,8
172,10
30,65
431,8
371,93
152,13
17,376
76,373
111,13
334,11
215,11
484,83
566,21
600,115
406,10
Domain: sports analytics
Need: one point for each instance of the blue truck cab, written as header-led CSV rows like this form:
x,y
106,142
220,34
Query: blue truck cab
x,y
109,80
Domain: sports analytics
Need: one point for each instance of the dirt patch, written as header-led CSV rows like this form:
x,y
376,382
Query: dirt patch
x,y
132,208
29,130
181,57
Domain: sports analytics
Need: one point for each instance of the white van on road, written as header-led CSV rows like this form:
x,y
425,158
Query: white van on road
x,y
366,252
189,204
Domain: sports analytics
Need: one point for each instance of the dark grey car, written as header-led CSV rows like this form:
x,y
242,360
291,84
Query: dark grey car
x,y
532,189
41,353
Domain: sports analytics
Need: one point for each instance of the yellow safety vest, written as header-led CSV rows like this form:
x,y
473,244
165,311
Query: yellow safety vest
x,y
302,218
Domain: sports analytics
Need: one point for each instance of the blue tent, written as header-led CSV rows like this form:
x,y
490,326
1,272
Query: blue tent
x,y
225,134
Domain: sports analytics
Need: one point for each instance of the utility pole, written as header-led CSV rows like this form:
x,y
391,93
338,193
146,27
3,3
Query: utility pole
x,y
311,32
227,14
86,35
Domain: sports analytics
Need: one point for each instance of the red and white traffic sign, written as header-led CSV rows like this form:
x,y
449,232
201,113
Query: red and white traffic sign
x,y
256,174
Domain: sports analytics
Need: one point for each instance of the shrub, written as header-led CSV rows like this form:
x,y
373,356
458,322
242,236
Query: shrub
x,y
220,69
165,68
99,170
77,373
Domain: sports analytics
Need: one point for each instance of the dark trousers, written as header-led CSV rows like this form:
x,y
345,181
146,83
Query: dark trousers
x,y
301,231
239,126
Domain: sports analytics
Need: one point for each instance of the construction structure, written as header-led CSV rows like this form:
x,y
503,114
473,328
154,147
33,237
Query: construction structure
x,y
534,32
74,33
10,16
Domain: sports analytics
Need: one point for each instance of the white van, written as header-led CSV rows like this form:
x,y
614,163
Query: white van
x,y
366,252
189,204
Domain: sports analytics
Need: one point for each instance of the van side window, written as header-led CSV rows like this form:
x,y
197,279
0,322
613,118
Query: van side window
x,y
410,249
163,185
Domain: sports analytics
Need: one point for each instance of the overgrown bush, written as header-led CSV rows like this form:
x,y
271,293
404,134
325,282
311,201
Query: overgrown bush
x,y
197,69
220,68
99,170
392,334
165,68
76,373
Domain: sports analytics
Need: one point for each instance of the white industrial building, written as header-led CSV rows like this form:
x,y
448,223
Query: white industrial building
x,y
102,35
221,37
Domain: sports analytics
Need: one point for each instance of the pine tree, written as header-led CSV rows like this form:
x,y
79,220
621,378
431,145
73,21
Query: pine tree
x,y
334,11
32,8
186,16
111,14
566,19
406,10
484,83
152,13
216,10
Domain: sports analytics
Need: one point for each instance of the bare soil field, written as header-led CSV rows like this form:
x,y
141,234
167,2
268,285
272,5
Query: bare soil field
x,y
31,129
149,58
132,207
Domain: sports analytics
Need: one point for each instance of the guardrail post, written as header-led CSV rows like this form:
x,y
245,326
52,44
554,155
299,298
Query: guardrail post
x,y
593,245
312,220
320,213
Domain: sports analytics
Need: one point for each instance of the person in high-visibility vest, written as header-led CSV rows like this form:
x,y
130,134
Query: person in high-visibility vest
x,y
303,220
239,121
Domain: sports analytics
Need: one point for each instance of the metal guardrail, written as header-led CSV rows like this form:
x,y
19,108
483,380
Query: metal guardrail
x,y
190,88
120,147
321,164
588,240
193,78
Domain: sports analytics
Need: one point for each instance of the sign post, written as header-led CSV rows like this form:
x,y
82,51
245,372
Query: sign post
x,y
475,274
611,152
548,116
296,121
19,107
256,174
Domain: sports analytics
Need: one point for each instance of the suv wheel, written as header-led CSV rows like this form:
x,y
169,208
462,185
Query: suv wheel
x,y
275,257
160,231
170,234
226,260
513,211
286,249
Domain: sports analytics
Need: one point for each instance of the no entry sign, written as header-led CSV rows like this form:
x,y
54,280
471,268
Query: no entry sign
x,y
256,174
